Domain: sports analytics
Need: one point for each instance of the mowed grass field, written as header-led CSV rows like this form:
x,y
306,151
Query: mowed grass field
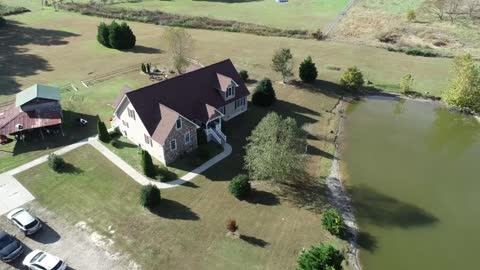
x,y
56,48
296,14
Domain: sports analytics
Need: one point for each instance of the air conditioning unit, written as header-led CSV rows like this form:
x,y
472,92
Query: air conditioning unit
x,y
19,126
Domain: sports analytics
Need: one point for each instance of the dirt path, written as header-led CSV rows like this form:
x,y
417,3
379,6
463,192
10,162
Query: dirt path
x,y
81,248
331,26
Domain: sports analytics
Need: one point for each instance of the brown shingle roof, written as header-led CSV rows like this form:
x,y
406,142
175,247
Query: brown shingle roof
x,y
187,95
169,117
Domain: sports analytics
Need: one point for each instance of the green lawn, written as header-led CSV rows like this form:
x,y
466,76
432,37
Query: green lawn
x,y
130,153
188,228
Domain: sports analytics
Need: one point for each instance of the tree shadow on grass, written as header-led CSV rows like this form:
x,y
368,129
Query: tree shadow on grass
x,y
15,57
69,168
314,151
143,49
254,241
262,197
305,192
174,210
385,211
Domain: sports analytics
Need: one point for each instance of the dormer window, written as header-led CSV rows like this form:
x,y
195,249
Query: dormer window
x,y
179,123
230,91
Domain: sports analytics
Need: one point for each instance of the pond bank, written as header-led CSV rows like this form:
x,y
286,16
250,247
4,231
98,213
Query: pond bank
x,y
338,195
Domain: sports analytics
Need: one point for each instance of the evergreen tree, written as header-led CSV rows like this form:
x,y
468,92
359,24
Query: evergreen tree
x,y
308,71
121,36
103,134
264,94
103,35
147,165
149,196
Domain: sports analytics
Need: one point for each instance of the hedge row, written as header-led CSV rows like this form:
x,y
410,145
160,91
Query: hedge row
x,y
8,10
168,19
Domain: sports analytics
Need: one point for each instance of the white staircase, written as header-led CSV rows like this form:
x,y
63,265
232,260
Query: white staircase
x,y
217,135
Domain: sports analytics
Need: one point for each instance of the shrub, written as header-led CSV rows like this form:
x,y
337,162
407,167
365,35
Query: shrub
x,y
56,162
318,35
3,22
421,52
143,68
411,15
147,165
264,94
103,35
201,137
115,133
307,70
333,222
330,67
388,37
352,79
244,75
320,257
232,225
165,174
406,84
149,196
239,186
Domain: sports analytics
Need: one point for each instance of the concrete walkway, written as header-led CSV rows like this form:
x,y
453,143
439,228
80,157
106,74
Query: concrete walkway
x,y
143,180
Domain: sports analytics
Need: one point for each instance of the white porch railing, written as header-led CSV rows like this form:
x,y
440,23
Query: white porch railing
x,y
217,134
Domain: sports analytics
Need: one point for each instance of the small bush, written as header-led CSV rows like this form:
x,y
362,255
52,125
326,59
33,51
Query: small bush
x,y
115,133
388,37
308,71
3,22
320,257
55,162
264,94
149,196
421,52
330,67
333,222
352,79
232,225
244,75
165,175
239,186
406,84
318,35
411,15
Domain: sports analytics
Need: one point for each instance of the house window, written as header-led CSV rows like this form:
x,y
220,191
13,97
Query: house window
x,y
187,138
173,145
230,91
131,113
125,123
239,103
179,123
148,140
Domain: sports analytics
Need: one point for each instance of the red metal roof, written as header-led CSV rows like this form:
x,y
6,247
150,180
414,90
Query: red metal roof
x,y
13,116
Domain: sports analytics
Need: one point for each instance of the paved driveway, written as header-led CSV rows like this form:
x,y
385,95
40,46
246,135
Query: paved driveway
x,y
12,194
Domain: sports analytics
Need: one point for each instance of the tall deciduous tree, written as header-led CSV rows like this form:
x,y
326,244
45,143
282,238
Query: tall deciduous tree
x,y
464,88
307,70
282,62
275,150
180,45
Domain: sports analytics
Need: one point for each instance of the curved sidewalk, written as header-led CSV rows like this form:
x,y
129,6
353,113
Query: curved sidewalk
x,y
143,180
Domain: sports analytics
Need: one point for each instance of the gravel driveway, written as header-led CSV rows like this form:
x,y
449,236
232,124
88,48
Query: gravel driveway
x,y
82,249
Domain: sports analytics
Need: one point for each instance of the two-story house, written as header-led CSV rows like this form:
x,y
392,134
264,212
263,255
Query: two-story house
x,y
163,118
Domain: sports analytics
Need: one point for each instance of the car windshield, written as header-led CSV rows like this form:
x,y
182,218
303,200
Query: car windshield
x,y
5,239
31,224
39,257
57,266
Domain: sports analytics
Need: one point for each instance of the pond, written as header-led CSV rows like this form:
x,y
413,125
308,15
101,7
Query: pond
x,y
413,177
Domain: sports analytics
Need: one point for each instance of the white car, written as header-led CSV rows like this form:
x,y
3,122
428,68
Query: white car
x,y
40,260
27,223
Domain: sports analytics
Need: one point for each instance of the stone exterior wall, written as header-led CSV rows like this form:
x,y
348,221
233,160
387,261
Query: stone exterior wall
x,y
179,135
